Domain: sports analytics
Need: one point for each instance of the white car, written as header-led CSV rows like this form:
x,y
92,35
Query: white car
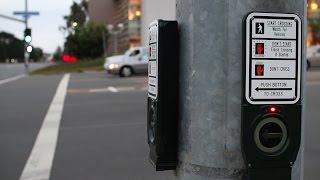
x,y
134,60
313,56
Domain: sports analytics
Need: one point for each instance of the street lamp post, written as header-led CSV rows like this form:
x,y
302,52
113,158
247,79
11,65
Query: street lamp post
x,y
114,31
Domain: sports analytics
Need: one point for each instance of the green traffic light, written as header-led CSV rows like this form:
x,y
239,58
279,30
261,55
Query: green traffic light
x,y
27,35
28,39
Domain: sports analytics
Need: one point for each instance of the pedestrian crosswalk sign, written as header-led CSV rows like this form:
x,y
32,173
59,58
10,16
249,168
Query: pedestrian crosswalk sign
x,y
259,28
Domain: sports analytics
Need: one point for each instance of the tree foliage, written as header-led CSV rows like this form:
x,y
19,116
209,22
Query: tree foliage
x,y
86,41
57,54
10,47
13,48
36,54
77,14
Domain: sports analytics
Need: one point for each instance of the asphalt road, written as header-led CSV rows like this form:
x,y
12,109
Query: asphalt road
x,y
23,106
102,132
11,70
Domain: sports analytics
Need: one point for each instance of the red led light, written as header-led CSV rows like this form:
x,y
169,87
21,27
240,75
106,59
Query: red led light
x,y
273,109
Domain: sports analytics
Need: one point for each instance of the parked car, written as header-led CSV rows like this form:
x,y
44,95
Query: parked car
x,y
134,61
313,56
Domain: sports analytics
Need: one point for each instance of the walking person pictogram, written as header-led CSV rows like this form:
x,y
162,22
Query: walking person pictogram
x,y
259,28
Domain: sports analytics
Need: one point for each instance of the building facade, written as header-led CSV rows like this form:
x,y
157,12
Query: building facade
x,y
114,12
135,15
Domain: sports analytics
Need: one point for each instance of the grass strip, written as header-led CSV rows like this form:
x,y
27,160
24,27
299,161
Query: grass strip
x,y
80,66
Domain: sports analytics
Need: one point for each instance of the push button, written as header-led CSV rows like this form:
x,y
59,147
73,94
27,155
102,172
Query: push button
x,y
270,135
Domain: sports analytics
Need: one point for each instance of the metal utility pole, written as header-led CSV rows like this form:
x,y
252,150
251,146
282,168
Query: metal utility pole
x,y
211,52
26,14
26,54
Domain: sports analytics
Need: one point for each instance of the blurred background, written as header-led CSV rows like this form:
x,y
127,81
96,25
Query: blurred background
x,y
103,27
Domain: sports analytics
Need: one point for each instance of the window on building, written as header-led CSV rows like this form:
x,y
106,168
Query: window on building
x,y
134,16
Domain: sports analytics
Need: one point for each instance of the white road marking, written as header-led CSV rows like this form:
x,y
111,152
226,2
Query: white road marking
x,y
109,89
126,88
100,90
113,89
4,81
38,166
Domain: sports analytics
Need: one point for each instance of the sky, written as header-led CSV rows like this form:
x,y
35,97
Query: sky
x,y
45,27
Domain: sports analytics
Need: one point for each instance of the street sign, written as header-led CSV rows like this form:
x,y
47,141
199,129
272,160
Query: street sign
x,y
35,13
273,58
26,14
153,61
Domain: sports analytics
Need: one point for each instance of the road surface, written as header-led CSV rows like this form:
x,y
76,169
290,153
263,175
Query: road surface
x,y
93,126
12,70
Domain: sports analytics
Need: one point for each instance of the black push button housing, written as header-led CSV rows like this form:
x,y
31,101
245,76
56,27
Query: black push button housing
x,y
163,95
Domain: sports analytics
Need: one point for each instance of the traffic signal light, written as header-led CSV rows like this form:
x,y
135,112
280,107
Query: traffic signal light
x,y
27,35
29,48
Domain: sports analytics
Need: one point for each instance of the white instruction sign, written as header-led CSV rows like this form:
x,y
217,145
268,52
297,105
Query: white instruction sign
x,y
153,60
273,58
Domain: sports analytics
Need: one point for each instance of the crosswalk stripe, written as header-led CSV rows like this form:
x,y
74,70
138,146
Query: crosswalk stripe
x,y
4,81
109,89
99,90
38,166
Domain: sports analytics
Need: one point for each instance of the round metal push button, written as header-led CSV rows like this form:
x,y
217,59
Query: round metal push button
x,y
270,135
